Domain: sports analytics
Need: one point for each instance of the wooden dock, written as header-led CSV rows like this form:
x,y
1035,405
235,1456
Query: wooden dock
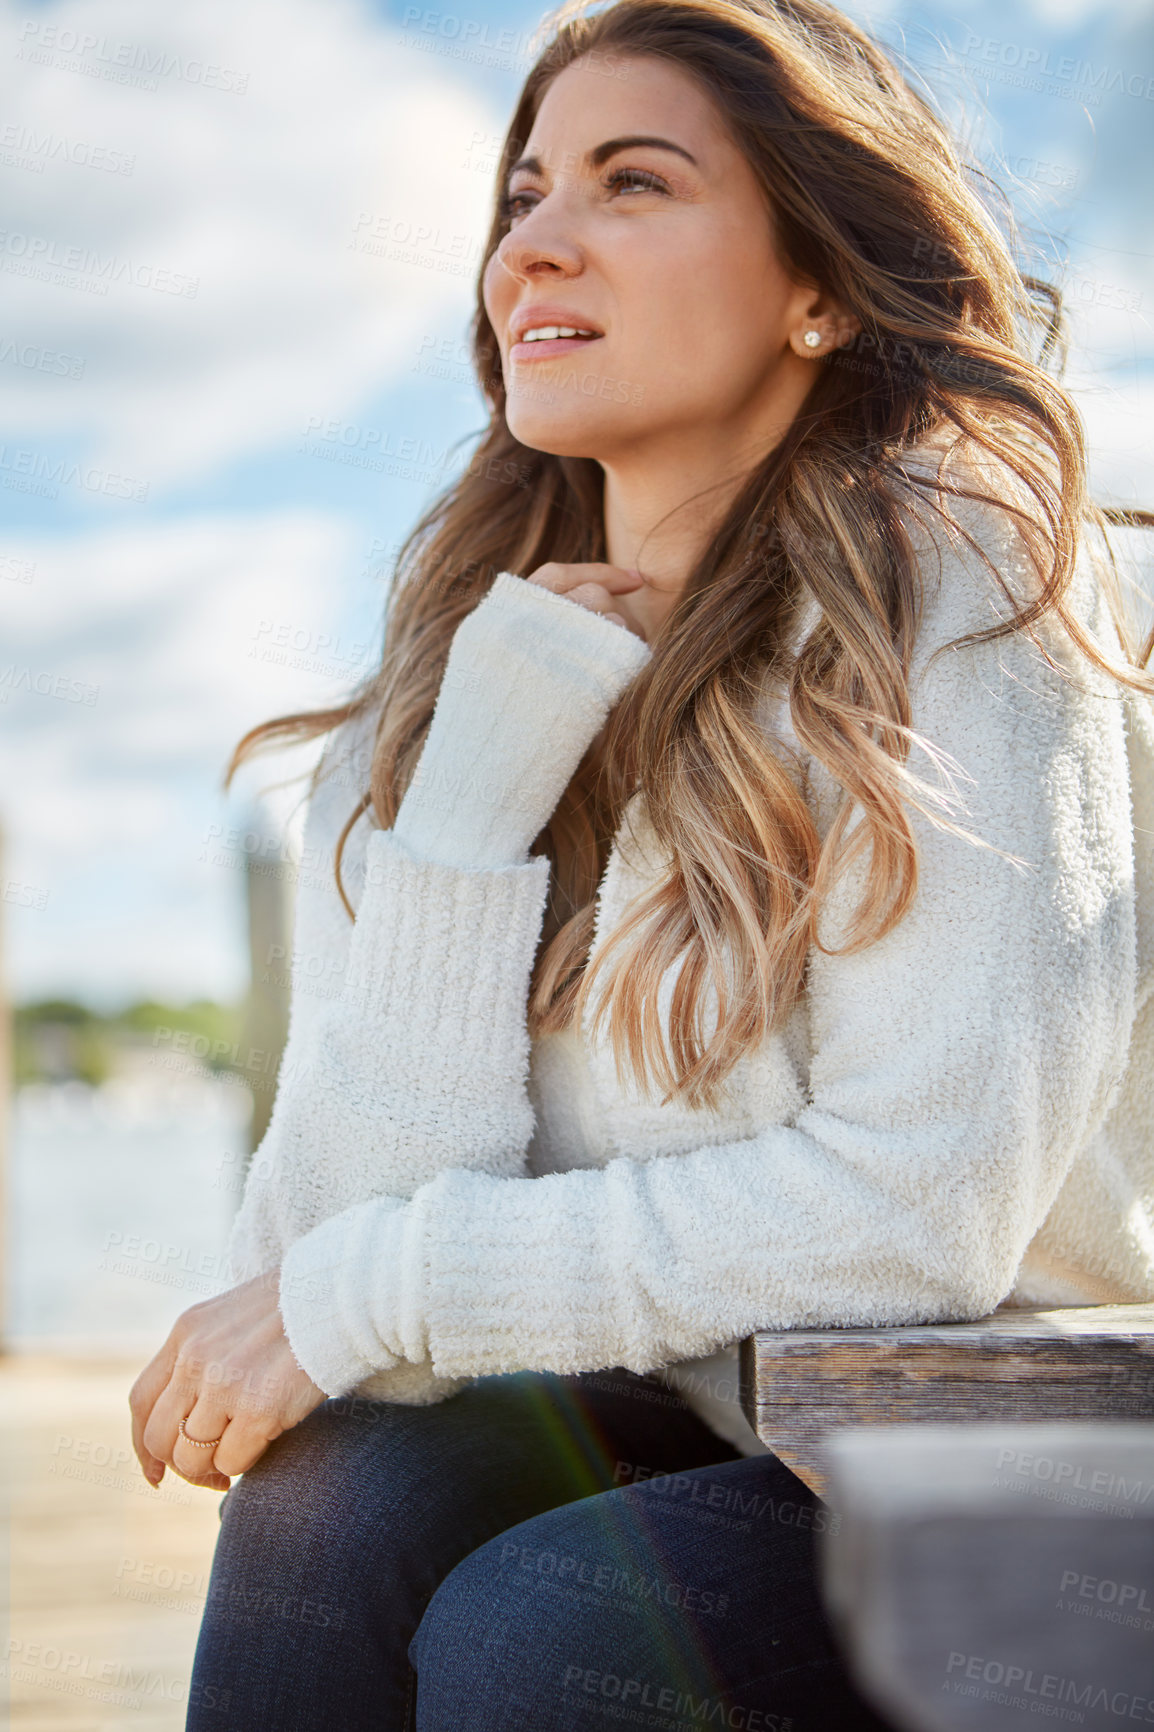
x,y
108,1576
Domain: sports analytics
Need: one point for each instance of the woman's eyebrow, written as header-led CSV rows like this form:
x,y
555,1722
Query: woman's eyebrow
x,y
602,152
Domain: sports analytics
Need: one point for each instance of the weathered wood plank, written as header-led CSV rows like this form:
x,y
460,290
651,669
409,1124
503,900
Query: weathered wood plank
x,y
979,1576
1081,1362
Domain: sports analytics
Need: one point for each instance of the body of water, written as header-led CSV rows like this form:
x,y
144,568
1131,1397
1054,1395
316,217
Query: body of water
x,y
120,1200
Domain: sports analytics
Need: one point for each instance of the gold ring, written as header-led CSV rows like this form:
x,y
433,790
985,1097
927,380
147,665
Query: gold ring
x,y
197,1442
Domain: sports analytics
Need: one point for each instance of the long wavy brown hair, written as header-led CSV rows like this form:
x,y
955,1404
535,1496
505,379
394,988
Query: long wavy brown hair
x,y
873,200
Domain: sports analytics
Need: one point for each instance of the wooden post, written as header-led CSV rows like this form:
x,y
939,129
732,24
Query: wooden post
x,y
270,875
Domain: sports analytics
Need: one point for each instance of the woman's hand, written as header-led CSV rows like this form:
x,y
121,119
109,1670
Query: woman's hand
x,y
593,586
228,1371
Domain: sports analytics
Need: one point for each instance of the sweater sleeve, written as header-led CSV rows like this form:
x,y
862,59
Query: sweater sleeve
x,y
530,679
957,1066
420,1061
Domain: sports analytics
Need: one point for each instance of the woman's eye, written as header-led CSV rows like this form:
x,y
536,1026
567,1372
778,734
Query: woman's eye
x,y
640,177
513,204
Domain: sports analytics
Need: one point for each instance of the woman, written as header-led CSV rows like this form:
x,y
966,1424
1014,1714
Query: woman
x,y
675,1001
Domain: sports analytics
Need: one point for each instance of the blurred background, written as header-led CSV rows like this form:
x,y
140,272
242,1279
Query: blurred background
x,y
237,261
237,266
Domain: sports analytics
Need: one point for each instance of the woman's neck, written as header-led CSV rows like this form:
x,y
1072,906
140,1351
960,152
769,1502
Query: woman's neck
x,y
659,519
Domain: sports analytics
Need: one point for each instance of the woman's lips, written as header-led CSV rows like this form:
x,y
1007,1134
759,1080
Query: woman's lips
x,y
543,347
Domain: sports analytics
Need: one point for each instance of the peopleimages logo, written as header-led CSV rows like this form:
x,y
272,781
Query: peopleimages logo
x,y
35,254
1048,1686
40,360
23,147
57,45
1072,1476
1109,1592
1039,63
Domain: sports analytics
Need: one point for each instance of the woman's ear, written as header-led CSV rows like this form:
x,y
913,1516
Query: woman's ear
x,y
827,325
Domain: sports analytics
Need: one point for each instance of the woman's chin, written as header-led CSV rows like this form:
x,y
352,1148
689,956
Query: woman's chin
x,y
561,430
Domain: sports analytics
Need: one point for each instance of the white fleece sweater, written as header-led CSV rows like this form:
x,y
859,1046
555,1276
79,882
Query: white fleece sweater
x,y
958,1116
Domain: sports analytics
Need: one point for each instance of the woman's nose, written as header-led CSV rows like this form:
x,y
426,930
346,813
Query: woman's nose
x,y
543,236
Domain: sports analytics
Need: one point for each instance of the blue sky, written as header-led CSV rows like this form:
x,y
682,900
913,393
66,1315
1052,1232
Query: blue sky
x,y
204,469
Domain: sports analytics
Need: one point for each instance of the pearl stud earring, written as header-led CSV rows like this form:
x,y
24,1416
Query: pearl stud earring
x,y
812,339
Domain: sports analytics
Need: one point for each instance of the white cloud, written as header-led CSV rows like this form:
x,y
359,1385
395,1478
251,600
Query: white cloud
x,y
107,806
1116,412
253,193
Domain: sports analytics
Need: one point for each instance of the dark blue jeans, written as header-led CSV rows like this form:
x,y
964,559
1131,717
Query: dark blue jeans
x,y
539,1553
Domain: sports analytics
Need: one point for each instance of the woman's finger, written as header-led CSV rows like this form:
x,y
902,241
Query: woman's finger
x,y
239,1445
593,596
562,578
594,599
242,1442
142,1398
192,1459
594,587
244,1436
180,1396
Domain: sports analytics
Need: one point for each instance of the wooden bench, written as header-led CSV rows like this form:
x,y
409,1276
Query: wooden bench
x,y
1091,1362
